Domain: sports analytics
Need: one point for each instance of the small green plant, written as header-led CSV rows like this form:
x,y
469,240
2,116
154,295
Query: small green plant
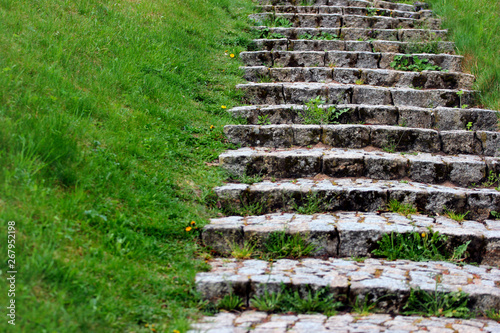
x,y
242,252
493,314
263,120
460,94
315,113
364,308
371,11
277,22
275,35
438,303
401,208
412,63
279,245
315,301
246,179
493,178
390,146
426,47
230,302
418,247
468,127
311,204
320,36
268,301
306,3
359,81
455,216
496,215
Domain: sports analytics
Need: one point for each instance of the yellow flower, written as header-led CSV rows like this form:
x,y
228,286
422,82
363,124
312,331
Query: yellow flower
x,y
223,106
231,55
188,229
211,127
176,331
424,234
193,222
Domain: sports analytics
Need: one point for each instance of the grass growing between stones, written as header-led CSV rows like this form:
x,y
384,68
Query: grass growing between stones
x,y
474,27
401,208
438,303
419,247
110,112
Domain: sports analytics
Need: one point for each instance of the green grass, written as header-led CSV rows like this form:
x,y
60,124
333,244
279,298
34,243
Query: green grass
x,y
438,304
474,27
106,110
405,209
419,247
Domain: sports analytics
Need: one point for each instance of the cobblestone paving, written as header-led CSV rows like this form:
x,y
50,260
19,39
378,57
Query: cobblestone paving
x,y
372,278
353,234
261,322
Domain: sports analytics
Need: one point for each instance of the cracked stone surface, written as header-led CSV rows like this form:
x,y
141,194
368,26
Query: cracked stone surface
x,y
352,234
261,322
369,279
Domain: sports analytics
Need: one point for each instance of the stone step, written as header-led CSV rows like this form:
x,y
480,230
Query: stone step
x,y
361,76
349,59
332,93
389,282
345,3
359,34
349,21
342,10
462,170
444,119
365,195
404,139
352,234
261,322
363,46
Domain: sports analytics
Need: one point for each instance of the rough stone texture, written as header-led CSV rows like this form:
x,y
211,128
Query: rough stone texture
x,y
461,170
363,195
352,234
261,322
370,279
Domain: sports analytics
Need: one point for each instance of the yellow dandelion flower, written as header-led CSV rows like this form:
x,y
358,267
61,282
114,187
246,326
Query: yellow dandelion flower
x,y
188,229
193,222
223,106
176,331
424,234
231,55
211,127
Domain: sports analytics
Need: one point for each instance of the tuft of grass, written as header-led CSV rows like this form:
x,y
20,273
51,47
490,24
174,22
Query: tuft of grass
x,y
230,302
455,216
473,26
312,203
280,245
242,252
315,113
438,303
401,208
364,308
419,247
110,112
493,314
269,301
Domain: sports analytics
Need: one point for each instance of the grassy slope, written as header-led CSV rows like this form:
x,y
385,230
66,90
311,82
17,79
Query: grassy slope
x,y
106,109
475,26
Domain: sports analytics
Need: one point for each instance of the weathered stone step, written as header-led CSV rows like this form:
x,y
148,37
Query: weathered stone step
x,y
402,35
357,195
398,138
388,281
342,10
348,21
261,322
346,3
352,234
462,170
332,93
445,119
360,76
363,46
352,59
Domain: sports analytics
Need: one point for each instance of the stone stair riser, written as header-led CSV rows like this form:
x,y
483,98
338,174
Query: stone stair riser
x,y
359,195
372,279
298,93
340,45
445,119
348,21
363,11
375,77
351,234
425,168
356,59
360,136
356,34
347,3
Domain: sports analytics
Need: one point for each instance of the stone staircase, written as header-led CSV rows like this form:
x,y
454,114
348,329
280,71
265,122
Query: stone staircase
x,y
417,137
